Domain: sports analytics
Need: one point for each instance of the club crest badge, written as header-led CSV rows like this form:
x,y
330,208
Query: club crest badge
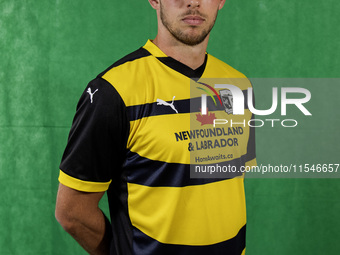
x,y
227,100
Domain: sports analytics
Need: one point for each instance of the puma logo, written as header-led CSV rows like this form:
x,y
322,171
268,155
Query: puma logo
x,y
162,102
91,94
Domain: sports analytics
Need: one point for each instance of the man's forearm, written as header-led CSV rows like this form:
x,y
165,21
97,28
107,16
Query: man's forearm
x,y
78,213
93,232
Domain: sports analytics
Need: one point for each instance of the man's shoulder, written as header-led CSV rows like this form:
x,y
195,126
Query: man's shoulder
x,y
128,75
220,69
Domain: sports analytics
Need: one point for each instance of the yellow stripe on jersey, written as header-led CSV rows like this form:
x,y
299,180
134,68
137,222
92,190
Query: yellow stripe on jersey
x,y
192,215
157,136
80,185
157,139
143,91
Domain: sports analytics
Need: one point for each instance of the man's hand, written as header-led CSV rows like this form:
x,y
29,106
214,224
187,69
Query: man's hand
x,y
78,213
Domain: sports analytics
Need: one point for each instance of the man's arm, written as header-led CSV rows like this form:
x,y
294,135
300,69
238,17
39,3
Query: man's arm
x,y
78,213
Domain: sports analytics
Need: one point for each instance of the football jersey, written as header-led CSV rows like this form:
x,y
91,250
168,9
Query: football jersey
x,y
139,134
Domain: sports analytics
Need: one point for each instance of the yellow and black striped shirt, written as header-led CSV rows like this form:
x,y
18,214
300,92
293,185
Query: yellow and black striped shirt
x,y
138,132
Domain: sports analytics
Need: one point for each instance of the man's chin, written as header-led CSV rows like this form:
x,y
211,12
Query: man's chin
x,y
192,39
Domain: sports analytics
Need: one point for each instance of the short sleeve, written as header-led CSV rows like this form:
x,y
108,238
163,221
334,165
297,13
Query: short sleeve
x,y
96,146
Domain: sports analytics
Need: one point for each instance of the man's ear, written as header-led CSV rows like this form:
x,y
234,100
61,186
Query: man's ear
x,y
221,4
154,4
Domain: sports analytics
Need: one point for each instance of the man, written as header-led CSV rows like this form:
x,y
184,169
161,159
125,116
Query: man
x,y
127,139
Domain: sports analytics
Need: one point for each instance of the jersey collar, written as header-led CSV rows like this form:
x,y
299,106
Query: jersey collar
x,y
175,64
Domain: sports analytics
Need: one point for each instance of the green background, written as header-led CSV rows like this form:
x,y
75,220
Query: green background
x,y
51,49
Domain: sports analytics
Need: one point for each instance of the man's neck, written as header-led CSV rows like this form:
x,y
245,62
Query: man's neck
x,y
192,56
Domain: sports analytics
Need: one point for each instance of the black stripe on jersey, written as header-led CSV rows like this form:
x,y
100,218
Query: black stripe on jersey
x,y
182,68
140,53
153,173
145,245
136,112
